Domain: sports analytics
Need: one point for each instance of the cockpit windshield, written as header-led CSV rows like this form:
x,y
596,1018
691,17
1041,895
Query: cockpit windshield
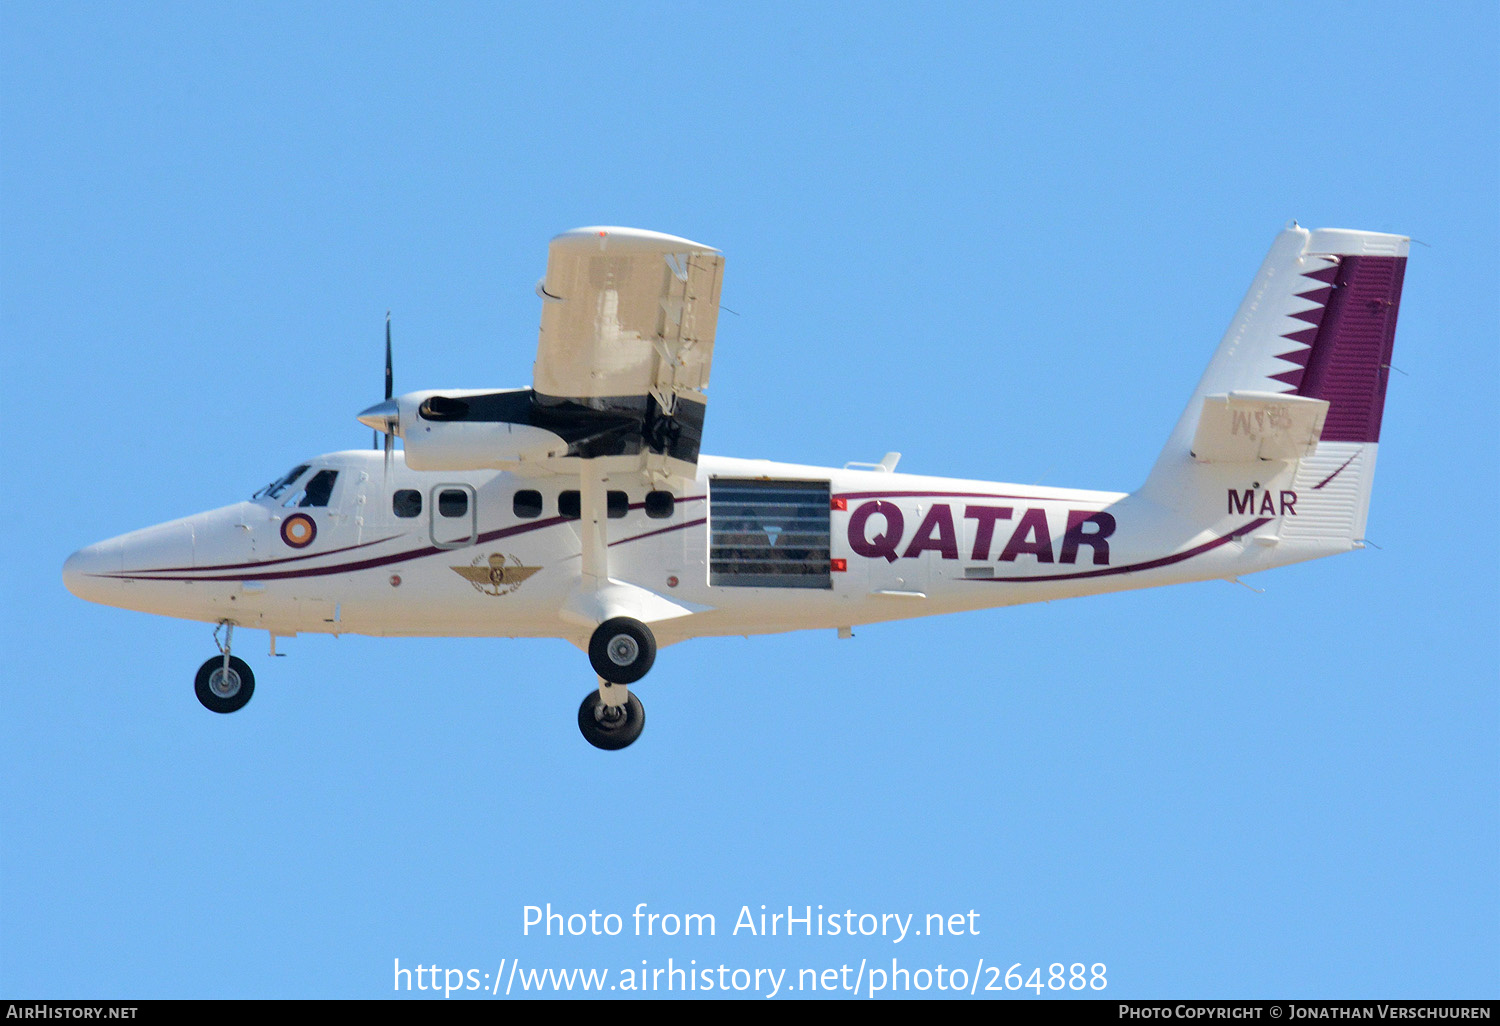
x,y
316,492
281,484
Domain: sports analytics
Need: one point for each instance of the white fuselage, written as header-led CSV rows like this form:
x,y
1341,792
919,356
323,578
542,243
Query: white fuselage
x,y
898,546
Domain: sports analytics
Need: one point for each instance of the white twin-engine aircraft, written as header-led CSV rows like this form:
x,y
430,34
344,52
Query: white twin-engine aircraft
x,y
580,508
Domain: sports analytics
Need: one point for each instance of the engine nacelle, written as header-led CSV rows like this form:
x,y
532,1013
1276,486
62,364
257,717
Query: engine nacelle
x,y
470,429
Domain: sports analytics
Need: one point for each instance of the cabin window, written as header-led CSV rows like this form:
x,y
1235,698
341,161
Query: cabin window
x,y
453,502
570,506
407,502
659,505
527,504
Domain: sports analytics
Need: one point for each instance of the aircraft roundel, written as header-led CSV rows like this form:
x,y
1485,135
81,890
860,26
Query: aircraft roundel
x,y
298,530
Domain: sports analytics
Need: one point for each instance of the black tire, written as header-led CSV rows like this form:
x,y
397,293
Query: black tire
x,y
598,729
622,650
216,696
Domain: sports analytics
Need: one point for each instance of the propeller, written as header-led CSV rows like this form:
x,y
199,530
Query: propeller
x,y
385,416
375,433
387,354
390,438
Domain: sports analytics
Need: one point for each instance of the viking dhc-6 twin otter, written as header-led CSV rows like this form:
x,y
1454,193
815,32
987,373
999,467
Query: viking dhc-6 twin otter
x,y
580,508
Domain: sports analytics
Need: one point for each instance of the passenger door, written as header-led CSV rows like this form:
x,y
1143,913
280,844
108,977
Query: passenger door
x,y
453,515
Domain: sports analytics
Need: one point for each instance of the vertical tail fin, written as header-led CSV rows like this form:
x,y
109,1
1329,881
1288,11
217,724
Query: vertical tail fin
x,y
1292,401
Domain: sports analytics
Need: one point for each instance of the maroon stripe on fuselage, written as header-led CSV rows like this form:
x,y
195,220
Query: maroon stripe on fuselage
x,y
660,530
964,495
378,561
1150,564
270,562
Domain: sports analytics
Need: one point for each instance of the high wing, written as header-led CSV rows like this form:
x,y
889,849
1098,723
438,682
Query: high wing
x,y
628,321
627,339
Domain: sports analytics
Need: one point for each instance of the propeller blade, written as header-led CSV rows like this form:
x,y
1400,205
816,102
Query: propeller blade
x,y
375,435
384,417
388,378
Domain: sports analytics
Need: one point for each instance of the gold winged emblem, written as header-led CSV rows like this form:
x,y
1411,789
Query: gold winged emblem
x,y
495,574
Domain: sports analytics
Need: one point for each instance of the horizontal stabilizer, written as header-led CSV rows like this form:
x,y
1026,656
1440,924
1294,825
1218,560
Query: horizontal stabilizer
x,y
1243,426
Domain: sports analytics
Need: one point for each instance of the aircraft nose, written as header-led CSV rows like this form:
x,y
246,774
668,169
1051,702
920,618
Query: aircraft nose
x,y
85,570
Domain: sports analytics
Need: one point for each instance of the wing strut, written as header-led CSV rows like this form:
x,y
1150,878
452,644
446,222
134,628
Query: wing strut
x,y
593,502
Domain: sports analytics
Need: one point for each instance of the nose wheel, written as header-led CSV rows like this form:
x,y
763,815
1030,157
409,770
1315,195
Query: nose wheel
x,y
224,688
224,684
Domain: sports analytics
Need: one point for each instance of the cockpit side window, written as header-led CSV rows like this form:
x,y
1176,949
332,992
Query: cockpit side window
x,y
275,489
317,491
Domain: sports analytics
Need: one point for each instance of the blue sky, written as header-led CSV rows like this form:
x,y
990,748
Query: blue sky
x,y
1002,241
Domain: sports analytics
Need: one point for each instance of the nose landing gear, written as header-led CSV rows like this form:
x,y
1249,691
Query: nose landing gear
x,y
224,684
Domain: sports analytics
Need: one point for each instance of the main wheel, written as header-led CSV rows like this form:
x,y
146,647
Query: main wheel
x,y
622,650
611,727
224,691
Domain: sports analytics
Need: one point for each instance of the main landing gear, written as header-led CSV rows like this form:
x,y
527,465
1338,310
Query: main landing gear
x,y
622,649
614,726
224,683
